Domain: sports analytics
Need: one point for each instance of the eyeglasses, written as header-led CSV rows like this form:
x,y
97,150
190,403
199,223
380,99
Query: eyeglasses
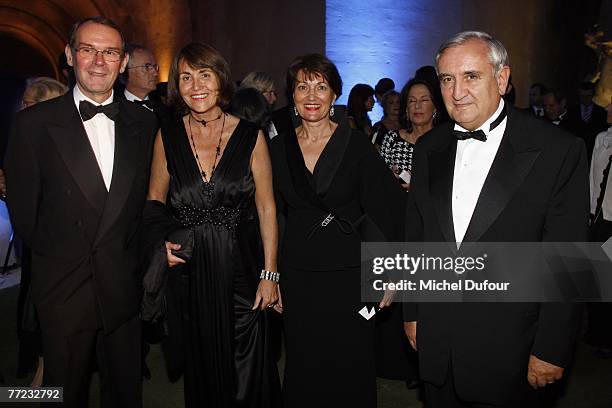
x,y
108,55
148,67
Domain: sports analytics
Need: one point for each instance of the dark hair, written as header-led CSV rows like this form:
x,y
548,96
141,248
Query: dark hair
x,y
404,119
97,20
199,56
250,104
427,73
313,65
559,94
355,107
384,85
540,86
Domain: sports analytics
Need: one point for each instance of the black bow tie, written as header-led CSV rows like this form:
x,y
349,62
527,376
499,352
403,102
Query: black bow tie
x,y
88,110
480,134
477,134
146,103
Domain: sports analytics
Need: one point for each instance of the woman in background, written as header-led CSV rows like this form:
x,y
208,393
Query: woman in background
x,y
390,102
360,102
41,89
420,111
264,83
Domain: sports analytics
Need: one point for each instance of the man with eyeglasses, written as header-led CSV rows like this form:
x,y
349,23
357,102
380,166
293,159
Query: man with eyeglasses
x,y
77,172
140,76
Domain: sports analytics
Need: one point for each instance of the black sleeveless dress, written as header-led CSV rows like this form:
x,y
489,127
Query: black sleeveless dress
x,y
226,349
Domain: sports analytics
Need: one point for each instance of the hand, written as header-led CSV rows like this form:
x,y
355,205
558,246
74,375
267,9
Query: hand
x,y
267,294
406,186
410,328
172,259
278,307
387,299
540,373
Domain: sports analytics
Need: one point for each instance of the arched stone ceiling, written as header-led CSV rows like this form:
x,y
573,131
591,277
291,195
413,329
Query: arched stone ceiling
x,y
44,24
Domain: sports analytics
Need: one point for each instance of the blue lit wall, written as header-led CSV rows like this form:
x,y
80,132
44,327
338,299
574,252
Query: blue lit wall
x,y
372,39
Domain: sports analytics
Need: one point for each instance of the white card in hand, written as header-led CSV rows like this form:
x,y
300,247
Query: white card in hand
x,y
405,175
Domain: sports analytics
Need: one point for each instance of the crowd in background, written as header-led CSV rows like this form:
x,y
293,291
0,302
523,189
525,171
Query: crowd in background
x,y
379,159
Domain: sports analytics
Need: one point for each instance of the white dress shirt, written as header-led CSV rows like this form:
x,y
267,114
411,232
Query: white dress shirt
x,y
472,164
101,133
560,118
601,155
131,97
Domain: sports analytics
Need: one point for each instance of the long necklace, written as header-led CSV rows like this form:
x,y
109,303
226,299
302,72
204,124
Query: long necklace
x,y
207,184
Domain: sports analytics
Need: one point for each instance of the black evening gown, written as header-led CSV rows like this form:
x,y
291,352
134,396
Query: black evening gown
x,y
330,359
227,362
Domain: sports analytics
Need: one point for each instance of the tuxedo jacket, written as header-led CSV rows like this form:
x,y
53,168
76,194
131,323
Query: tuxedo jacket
x,y
83,237
587,131
536,190
161,111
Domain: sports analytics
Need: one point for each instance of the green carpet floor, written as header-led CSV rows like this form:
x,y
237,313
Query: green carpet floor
x,y
590,384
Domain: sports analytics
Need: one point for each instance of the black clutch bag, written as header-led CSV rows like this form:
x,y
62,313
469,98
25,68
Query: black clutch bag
x,y
184,237
153,306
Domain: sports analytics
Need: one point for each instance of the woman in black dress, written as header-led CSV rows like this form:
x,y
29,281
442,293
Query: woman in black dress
x,y
360,102
390,103
324,168
213,173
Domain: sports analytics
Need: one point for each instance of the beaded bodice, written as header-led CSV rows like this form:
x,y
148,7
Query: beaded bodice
x,y
190,216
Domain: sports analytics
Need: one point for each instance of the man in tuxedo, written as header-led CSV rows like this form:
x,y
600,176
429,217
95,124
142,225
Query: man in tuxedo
x,y
141,75
555,107
588,118
77,172
536,108
494,175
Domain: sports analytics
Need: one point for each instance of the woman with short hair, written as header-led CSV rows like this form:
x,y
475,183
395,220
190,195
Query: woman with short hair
x,y
328,181
211,171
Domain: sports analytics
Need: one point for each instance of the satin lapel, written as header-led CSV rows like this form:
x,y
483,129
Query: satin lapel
x,y
331,158
297,170
441,171
73,145
512,163
126,151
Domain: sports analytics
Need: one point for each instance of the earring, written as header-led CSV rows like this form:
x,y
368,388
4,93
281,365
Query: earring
x,y
295,111
434,114
331,111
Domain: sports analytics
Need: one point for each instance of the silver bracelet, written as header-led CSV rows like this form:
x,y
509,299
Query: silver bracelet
x,y
273,276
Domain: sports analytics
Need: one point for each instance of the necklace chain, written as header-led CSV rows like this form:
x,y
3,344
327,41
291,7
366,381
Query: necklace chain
x,y
204,122
217,150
